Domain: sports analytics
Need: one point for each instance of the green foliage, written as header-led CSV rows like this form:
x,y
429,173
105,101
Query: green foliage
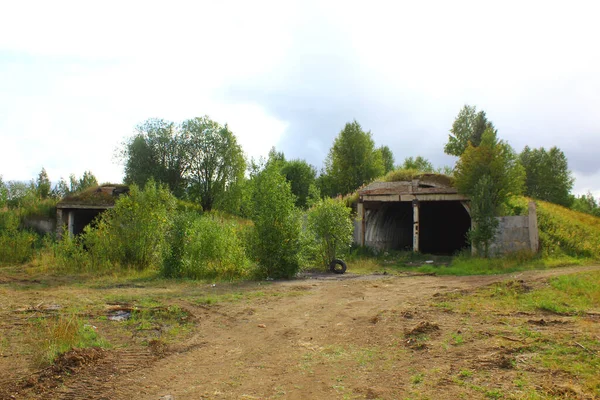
x,y
20,194
133,234
216,160
352,160
419,164
302,178
496,159
483,214
489,174
16,246
330,228
43,185
401,174
177,238
275,239
213,250
586,203
468,128
547,175
75,185
387,158
157,151
55,336
568,232
3,193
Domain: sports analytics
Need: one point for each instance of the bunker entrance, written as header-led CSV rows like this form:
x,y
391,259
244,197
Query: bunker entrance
x,y
443,227
82,218
389,225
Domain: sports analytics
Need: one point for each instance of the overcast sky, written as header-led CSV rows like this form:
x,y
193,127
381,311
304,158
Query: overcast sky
x,y
76,77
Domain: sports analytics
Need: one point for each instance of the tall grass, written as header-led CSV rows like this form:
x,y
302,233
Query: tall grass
x,y
568,232
213,249
55,336
16,246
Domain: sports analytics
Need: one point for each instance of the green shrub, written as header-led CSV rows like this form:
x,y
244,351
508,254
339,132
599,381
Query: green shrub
x,y
16,246
182,222
213,250
275,239
331,228
134,232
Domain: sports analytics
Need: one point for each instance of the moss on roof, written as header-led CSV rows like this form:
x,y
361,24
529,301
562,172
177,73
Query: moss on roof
x,y
400,175
103,195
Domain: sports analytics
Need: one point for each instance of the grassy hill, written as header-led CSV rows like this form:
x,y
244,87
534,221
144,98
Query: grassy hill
x,y
564,231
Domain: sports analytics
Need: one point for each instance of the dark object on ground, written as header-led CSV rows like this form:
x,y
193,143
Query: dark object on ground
x,y
337,266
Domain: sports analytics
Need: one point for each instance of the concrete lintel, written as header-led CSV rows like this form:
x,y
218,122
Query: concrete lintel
x,y
441,197
392,197
82,207
411,197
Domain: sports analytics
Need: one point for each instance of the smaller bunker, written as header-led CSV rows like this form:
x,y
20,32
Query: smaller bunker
x,y
75,211
425,214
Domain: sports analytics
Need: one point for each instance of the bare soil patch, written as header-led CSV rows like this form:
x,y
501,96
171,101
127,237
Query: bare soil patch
x,y
319,337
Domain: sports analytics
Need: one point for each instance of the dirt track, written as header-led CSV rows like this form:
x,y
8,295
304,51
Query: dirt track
x,y
326,337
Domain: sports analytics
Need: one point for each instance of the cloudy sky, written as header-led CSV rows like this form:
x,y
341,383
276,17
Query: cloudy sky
x,y
76,77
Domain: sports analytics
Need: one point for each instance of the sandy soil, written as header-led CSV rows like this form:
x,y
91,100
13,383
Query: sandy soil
x,y
325,337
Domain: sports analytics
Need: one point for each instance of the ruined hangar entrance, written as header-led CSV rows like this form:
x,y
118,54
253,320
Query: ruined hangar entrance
x,y
426,215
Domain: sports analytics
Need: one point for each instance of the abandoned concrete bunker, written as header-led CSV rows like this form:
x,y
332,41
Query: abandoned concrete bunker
x,y
425,214
74,212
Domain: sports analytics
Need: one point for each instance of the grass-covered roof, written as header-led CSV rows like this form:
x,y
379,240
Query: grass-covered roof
x,y
103,195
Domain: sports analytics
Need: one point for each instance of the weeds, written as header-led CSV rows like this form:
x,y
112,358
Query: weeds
x,y
55,336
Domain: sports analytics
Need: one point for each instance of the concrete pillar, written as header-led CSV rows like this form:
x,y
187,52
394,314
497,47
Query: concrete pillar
x,y
360,210
71,222
415,204
59,223
534,237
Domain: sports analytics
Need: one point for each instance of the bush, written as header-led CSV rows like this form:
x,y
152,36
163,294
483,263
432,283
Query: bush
x,y
134,232
213,250
16,246
275,239
331,228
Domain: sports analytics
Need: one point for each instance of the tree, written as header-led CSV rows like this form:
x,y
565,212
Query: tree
x,y
586,203
86,181
43,185
158,150
387,158
3,193
331,229
352,160
277,225
419,163
216,160
468,127
301,176
547,175
489,174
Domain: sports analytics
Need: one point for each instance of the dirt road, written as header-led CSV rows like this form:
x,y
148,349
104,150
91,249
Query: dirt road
x,y
328,337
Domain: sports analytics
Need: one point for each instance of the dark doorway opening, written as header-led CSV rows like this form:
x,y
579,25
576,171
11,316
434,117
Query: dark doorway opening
x,y
389,225
443,227
82,218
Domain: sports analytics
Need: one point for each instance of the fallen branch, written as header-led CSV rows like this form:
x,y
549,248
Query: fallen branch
x,y
586,349
512,339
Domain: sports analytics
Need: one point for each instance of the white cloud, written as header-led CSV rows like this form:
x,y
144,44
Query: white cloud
x,y
76,77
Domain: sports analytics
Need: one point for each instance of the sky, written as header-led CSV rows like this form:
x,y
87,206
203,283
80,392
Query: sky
x,y
77,77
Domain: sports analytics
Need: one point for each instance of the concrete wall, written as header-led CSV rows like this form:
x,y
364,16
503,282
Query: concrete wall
x,y
517,233
41,225
512,236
